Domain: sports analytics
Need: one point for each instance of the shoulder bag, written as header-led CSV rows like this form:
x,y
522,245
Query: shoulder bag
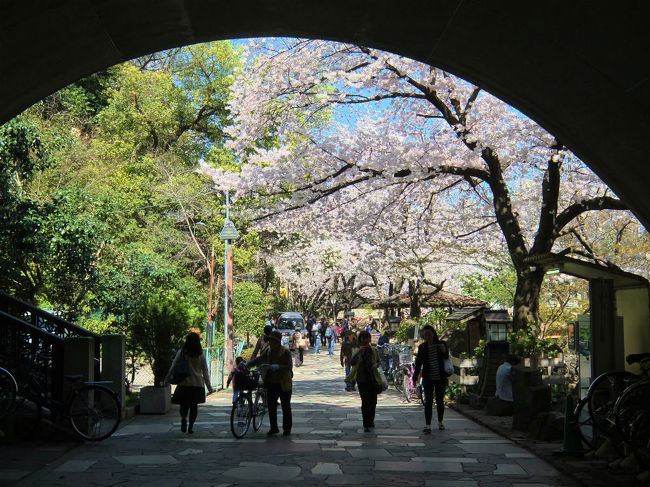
x,y
180,371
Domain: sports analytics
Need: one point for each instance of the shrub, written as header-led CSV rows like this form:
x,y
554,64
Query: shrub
x,y
406,330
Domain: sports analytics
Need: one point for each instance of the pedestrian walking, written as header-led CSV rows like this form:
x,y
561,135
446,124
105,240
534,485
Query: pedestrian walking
x,y
364,370
333,338
329,340
296,347
431,354
324,325
348,347
189,393
275,365
315,333
262,342
309,326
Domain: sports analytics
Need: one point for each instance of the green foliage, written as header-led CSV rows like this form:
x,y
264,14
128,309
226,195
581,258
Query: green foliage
x,y
406,330
497,290
434,318
21,155
525,344
279,304
48,247
249,308
130,282
479,350
160,326
247,353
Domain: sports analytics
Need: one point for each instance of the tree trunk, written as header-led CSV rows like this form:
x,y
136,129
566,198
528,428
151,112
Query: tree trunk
x,y
526,299
414,294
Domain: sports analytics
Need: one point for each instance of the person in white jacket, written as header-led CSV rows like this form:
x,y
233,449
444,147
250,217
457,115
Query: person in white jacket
x,y
189,393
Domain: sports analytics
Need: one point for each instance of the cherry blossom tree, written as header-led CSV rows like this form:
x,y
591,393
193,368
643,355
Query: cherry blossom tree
x,y
332,137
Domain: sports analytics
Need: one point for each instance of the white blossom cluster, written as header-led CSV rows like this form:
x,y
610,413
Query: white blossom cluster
x,y
346,147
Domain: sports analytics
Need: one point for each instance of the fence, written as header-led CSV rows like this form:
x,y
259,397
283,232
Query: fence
x,y
463,377
550,375
216,363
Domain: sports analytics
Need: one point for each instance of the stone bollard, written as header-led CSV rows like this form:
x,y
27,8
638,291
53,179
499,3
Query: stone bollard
x,y
531,396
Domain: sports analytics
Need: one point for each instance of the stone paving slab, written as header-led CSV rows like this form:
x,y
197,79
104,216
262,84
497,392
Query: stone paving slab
x,y
327,448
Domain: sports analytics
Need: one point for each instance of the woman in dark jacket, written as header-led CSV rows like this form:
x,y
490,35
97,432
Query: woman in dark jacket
x,y
364,364
431,354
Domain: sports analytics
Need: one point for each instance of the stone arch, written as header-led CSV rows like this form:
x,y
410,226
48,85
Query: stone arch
x,y
570,66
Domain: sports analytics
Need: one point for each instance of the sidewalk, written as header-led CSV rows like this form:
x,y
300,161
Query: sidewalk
x,y
590,472
327,447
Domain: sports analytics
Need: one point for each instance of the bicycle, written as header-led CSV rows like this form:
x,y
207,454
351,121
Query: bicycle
x,y
412,386
400,362
92,409
632,411
8,390
246,408
617,404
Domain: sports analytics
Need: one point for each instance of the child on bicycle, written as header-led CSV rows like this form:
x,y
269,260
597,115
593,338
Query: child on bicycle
x,y
238,372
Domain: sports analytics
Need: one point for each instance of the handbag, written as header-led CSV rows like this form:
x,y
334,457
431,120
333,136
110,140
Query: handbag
x,y
448,366
384,382
180,371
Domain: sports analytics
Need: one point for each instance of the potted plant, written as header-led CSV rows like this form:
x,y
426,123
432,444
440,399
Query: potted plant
x,y
159,327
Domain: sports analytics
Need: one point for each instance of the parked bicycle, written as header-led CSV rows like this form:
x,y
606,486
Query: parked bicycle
x,y
248,407
92,409
8,391
617,409
401,356
632,411
412,386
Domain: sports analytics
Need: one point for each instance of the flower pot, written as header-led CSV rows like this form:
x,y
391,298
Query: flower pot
x,y
155,400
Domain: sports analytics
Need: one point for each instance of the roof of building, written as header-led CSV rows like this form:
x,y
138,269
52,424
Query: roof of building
x,y
431,298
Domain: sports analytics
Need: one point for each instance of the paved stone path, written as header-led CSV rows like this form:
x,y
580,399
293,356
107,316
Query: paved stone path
x,y
328,447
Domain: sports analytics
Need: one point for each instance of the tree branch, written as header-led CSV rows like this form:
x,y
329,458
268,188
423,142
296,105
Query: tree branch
x,y
593,204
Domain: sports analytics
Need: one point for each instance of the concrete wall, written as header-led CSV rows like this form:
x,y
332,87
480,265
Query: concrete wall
x,y
634,306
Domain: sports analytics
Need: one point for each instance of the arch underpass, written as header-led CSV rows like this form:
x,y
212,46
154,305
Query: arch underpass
x,y
577,68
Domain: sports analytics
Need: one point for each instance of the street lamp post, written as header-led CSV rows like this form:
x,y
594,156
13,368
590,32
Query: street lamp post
x,y
228,234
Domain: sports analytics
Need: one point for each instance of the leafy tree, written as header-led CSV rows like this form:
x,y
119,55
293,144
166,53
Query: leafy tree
x,y
129,284
498,289
49,248
160,326
249,309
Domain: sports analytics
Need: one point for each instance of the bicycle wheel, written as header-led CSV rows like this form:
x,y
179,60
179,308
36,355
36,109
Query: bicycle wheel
x,y
399,380
632,417
602,396
259,409
588,434
25,417
407,390
94,412
8,390
240,416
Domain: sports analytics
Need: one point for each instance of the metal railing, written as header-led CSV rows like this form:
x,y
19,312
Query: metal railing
x,y
26,349
216,363
27,331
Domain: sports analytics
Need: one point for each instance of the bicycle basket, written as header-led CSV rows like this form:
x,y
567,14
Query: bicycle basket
x,y
404,357
246,381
